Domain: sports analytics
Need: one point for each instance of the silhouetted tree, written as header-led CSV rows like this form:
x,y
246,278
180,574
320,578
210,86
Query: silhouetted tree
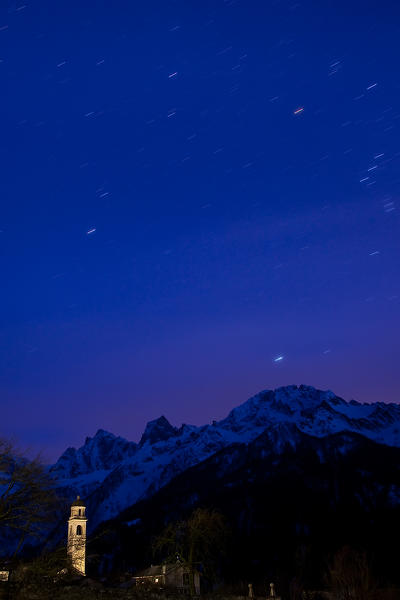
x,y
27,497
350,576
199,540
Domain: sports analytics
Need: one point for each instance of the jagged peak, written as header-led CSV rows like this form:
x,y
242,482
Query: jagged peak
x,y
157,430
99,435
305,392
104,433
292,396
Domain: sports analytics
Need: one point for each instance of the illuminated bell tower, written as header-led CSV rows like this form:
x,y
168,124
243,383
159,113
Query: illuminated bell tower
x,y
76,547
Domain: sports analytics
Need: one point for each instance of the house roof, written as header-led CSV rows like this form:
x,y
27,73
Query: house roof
x,y
155,570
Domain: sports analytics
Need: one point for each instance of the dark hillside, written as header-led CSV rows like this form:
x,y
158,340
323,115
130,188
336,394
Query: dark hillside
x,y
288,511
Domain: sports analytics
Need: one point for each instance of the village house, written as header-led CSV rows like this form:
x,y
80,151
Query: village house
x,y
168,575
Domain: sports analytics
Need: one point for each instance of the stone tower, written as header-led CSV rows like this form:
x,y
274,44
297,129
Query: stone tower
x,y
76,547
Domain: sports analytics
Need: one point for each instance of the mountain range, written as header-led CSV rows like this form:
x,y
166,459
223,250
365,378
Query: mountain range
x,y
113,474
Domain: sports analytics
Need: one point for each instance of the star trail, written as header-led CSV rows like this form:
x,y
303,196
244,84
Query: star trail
x,y
199,200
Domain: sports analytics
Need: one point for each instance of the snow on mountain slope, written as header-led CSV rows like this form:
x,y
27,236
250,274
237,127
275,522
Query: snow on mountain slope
x,y
101,452
113,473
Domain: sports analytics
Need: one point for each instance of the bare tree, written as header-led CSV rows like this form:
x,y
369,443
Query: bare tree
x,y
201,539
349,575
27,497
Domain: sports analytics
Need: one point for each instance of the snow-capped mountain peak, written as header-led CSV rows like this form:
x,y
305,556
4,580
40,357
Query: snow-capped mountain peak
x,y
98,453
158,430
114,473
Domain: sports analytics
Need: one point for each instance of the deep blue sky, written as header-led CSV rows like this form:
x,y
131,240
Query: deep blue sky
x,y
239,163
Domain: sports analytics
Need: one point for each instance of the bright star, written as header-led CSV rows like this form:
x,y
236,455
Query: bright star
x,y
278,358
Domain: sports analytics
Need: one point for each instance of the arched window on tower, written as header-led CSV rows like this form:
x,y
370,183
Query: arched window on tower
x,y
80,512
79,530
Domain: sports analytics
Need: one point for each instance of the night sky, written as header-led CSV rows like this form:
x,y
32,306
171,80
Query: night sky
x,y
199,200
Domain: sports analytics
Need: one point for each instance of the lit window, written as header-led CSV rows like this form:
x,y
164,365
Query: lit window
x,y
156,580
